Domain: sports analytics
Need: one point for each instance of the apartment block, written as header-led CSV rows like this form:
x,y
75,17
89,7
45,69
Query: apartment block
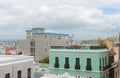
x,y
38,42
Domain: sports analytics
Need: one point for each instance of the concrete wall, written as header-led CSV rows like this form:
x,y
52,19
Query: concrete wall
x,y
43,43
13,68
24,46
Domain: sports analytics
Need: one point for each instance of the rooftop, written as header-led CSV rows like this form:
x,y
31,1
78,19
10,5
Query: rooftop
x,y
90,45
4,59
52,34
28,30
35,29
78,49
38,29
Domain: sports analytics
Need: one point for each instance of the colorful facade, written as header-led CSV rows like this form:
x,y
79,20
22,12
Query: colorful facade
x,y
92,62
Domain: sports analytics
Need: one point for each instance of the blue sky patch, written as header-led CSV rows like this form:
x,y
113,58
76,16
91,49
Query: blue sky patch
x,y
111,10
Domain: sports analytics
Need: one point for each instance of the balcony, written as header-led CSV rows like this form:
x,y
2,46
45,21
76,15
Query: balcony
x,y
106,67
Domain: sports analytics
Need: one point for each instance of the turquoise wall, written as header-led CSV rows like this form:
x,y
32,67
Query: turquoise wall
x,y
95,56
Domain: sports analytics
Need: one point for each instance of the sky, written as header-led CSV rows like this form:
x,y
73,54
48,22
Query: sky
x,y
86,19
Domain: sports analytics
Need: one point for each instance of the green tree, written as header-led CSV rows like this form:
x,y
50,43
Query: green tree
x,y
44,60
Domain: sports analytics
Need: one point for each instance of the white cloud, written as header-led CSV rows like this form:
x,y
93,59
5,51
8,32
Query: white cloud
x,y
80,16
85,3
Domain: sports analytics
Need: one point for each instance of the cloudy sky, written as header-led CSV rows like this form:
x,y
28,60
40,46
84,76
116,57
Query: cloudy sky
x,y
87,19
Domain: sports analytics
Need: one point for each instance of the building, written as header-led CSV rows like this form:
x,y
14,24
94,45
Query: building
x,y
16,66
7,47
115,41
2,49
116,45
38,42
91,62
10,50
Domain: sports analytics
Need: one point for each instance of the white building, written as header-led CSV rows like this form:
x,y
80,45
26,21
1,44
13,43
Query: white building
x,y
38,42
2,49
16,66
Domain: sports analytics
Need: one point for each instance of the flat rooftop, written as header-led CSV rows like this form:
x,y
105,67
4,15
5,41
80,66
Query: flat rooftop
x,y
14,58
79,50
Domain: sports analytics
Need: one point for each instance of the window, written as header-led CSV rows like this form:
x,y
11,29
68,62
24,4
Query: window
x,y
32,44
77,60
56,62
32,50
103,62
88,67
19,74
7,75
29,72
66,63
77,66
100,63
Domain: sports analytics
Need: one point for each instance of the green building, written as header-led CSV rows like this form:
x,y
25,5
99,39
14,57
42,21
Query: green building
x,y
90,62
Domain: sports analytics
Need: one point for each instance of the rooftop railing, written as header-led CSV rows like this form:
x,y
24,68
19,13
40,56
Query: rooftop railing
x,y
78,47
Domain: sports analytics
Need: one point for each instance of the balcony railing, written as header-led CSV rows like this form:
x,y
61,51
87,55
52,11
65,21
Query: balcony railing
x,y
106,67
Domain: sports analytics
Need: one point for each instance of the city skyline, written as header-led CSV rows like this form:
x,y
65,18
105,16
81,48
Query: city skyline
x,y
86,19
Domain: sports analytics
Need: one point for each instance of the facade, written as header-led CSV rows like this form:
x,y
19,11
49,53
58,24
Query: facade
x,y
115,41
93,62
13,66
38,42
116,45
24,46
